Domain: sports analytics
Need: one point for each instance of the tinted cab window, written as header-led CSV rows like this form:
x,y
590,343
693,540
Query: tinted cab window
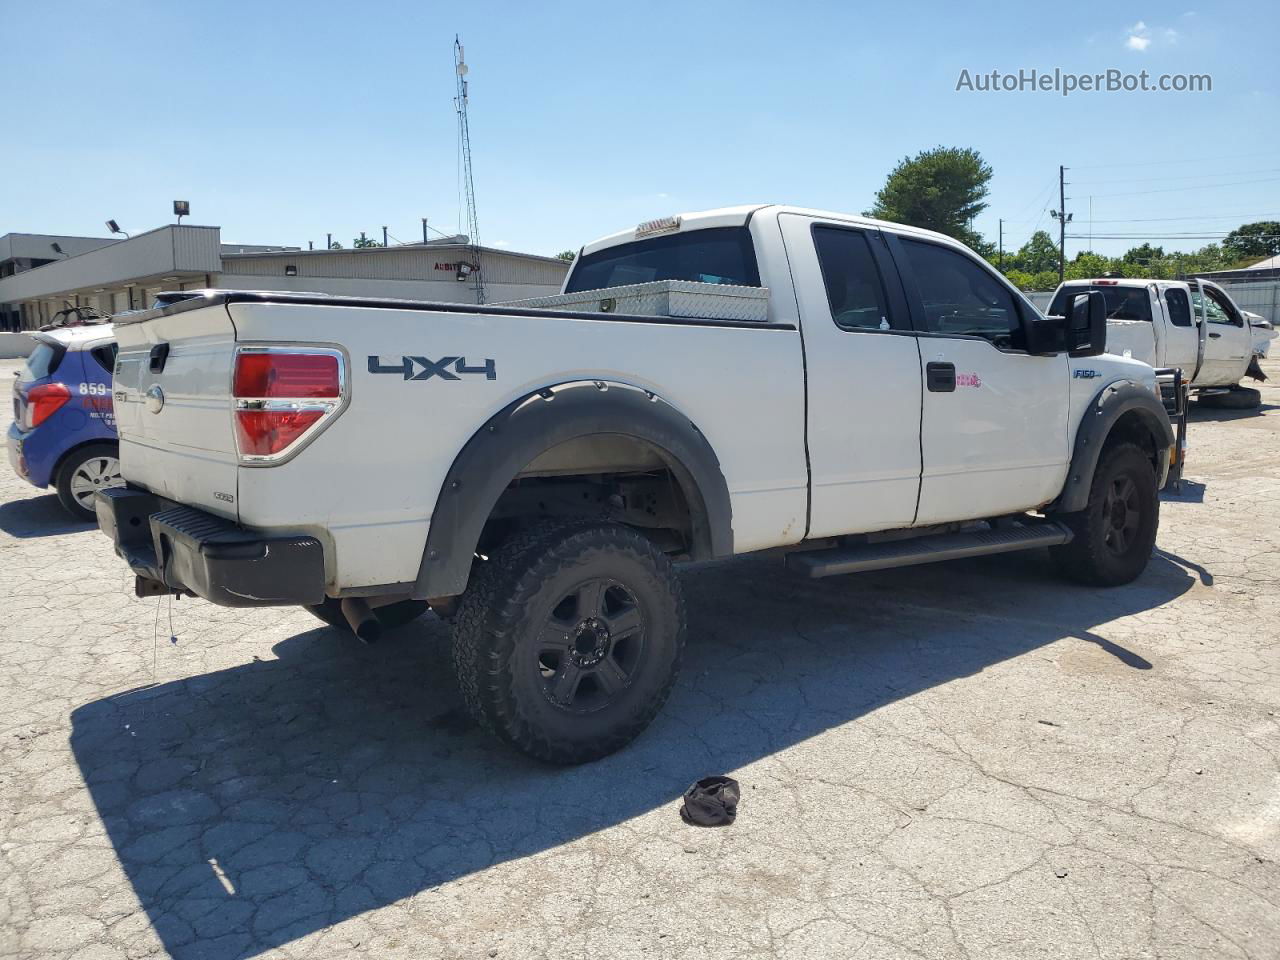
x,y
1179,307
714,255
855,291
959,296
1123,303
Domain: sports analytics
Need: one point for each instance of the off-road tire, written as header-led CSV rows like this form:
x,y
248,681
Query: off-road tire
x,y
391,616
513,603
1237,398
65,482
1092,556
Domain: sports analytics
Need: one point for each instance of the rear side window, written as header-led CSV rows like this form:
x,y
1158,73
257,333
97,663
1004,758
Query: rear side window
x,y
43,361
959,297
715,255
854,289
106,356
1179,307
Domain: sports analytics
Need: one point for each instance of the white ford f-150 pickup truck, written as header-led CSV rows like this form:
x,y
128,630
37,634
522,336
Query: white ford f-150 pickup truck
x,y
1192,325
856,394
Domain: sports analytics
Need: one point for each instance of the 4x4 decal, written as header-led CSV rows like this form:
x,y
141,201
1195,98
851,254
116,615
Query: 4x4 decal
x,y
408,367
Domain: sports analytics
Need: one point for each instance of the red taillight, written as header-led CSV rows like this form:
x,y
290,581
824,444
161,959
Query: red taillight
x,y
281,395
44,401
287,375
263,433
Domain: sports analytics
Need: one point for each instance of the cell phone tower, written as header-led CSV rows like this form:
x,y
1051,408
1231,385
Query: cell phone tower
x,y
468,181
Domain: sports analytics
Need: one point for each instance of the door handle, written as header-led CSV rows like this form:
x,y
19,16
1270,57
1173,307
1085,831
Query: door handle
x,y
1215,336
940,377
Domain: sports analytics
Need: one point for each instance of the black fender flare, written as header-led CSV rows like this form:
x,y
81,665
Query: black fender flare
x,y
1110,404
541,420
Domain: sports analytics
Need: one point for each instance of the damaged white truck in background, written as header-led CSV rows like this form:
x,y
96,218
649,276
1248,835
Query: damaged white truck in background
x,y
1193,326
853,394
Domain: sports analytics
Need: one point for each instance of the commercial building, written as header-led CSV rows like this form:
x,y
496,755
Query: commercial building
x,y
41,274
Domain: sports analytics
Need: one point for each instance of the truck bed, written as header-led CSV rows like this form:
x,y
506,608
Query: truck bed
x,y
420,386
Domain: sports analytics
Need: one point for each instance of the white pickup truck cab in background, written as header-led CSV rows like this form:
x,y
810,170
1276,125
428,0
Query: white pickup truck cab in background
x,y
1193,326
532,473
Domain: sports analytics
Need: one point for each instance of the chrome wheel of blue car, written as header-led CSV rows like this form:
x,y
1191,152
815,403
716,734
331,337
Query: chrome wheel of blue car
x,y
85,472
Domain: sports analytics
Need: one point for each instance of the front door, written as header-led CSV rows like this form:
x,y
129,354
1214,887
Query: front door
x,y
1229,340
862,374
994,425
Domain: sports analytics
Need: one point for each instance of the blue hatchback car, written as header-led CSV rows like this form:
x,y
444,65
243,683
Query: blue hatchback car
x,y
64,428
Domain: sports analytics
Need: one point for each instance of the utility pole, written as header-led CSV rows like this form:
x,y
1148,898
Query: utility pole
x,y
1063,219
384,236
328,241
424,229
1000,260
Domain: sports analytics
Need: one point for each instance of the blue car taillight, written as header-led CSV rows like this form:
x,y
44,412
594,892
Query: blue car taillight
x,y
43,402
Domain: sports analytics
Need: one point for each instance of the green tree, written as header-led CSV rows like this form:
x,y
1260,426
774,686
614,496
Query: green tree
x,y
362,243
335,245
1087,265
1020,279
1254,240
567,255
1143,255
1037,255
941,189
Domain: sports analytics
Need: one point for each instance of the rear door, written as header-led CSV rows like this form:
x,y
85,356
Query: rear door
x,y
863,376
994,419
1178,330
172,397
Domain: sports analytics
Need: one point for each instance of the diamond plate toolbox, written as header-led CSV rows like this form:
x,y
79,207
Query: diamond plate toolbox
x,y
664,298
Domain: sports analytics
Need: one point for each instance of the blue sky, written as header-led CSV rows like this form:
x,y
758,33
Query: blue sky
x,y
283,121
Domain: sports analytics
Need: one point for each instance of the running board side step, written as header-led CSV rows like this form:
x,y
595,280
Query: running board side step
x,y
928,549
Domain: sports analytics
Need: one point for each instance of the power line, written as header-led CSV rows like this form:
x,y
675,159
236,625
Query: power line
x,y
1157,163
1190,176
1206,186
1226,216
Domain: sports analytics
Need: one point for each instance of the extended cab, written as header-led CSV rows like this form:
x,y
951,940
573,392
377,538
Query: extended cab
x,y
853,393
1193,326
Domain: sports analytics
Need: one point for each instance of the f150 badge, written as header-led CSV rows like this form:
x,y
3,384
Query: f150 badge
x,y
420,368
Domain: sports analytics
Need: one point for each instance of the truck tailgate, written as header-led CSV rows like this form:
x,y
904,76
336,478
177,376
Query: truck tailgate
x,y
172,390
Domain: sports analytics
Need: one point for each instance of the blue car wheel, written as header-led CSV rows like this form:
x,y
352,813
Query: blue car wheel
x,y
86,470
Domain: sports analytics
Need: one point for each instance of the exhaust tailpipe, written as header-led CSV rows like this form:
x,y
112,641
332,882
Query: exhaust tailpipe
x,y
361,618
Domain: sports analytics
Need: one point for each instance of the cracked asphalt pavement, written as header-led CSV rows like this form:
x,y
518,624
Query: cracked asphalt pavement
x,y
970,760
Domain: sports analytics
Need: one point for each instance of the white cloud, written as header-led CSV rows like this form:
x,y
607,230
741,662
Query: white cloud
x,y
1140,36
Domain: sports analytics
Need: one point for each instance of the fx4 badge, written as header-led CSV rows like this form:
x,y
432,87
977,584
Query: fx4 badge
x,y
420,368
1085,374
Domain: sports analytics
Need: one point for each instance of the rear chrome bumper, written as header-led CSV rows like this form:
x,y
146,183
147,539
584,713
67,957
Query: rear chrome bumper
x,y
176,548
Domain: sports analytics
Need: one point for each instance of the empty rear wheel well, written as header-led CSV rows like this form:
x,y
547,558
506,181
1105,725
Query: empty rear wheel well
x,y
603,477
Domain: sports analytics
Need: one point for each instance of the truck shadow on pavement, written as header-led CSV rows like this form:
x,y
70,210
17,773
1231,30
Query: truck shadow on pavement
x,y
255,805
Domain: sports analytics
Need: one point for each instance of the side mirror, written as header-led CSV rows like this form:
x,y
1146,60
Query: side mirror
x,y
1044,335
1086,324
